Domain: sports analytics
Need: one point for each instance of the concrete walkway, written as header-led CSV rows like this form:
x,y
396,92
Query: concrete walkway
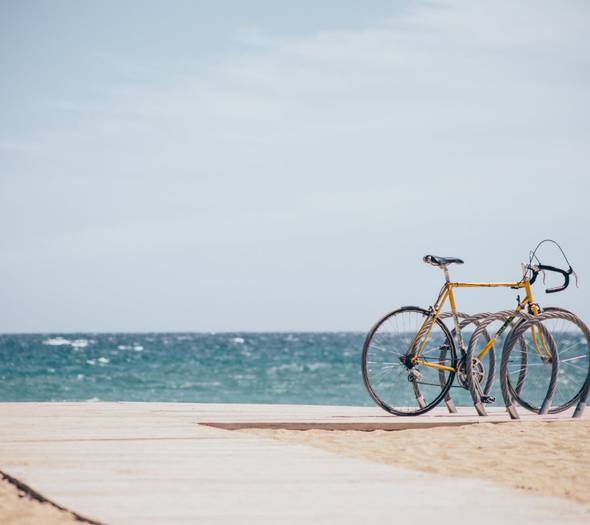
x,y
152,463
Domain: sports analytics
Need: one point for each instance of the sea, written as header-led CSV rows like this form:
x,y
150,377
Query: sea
x,y
300,368
276,368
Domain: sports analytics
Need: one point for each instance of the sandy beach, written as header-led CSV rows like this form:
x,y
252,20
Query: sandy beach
x,y
551,458
18,508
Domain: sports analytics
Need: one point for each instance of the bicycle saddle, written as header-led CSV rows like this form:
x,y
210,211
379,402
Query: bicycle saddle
x,y
435,260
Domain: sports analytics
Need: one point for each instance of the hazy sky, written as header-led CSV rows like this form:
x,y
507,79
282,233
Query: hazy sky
x,y
270,165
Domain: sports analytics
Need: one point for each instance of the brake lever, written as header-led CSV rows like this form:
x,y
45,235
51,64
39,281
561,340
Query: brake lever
x,y
534,273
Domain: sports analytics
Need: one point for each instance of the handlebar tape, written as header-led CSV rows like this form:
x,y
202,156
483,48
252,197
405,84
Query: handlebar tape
x,y
565,274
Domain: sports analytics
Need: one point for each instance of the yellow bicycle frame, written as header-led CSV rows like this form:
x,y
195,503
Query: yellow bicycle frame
x,y
447,292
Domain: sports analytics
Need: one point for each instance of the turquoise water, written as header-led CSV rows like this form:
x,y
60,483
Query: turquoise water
x,y
308,368
300,368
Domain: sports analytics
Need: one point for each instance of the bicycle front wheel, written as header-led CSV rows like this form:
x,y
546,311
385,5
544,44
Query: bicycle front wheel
x,y
569,337
408,361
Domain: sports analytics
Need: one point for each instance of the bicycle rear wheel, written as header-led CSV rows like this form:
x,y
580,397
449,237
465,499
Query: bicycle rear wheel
x,y
395,381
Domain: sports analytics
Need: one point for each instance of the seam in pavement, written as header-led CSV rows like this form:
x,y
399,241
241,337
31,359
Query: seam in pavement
x,y
74,440
33,494
362,426
337,426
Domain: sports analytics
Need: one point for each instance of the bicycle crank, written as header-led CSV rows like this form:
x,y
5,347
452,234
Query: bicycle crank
x,y
479,372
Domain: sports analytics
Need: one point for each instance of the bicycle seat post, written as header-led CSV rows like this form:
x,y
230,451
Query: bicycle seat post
x,y
446,271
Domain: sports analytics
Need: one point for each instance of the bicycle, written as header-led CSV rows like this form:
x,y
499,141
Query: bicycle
x,y
412,347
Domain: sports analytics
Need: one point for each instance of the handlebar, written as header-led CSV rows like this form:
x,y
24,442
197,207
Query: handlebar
x,y
544,267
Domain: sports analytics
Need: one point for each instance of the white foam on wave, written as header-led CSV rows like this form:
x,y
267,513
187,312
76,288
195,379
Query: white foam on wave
x,y
135,347
62,341
101,361
291,367
56,341
238,340
297,367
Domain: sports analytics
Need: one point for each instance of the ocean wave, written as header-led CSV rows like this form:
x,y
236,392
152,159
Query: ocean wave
x,y
297,367
101,361
62,341
290,367
56,341
134,347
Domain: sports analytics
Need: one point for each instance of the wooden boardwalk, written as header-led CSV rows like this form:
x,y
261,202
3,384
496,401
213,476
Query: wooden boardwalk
x,y
166,463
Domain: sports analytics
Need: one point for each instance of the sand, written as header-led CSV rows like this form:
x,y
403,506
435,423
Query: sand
x,y
18,508
551,458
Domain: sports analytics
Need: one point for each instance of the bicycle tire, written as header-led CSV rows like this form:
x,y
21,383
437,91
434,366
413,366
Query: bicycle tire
x,y
446,340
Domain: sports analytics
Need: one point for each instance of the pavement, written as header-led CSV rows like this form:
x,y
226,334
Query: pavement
x,y
180,463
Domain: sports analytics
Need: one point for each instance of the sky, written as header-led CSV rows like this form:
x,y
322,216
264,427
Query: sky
x,y
283,166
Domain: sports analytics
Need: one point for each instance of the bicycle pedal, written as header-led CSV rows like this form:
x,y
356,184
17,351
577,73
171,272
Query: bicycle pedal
x,y
488,400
